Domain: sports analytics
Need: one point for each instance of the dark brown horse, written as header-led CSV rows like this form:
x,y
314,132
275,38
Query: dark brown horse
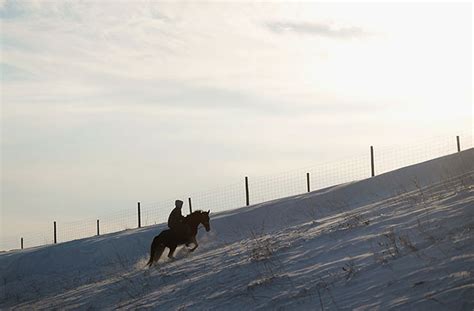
x,y
168,238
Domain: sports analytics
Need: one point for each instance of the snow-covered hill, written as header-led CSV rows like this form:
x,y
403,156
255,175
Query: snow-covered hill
x,y
403,240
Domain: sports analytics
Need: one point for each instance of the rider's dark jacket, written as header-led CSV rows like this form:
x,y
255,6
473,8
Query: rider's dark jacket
x,y
176,218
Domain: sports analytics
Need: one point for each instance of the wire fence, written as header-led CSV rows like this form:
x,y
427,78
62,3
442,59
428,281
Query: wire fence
x,y
260,189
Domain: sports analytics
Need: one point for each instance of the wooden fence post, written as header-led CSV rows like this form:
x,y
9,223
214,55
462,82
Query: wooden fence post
x,y
21,243
459,143
372,160
55,237
247,200
307,182
190,206
98,232
139,217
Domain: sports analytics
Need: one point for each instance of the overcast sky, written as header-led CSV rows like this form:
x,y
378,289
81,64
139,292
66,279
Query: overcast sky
x,y
107,103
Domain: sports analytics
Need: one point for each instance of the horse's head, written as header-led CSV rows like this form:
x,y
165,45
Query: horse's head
x,y
205,220
198,217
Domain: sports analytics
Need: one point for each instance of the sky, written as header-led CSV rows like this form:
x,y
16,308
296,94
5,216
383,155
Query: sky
x,y
104,103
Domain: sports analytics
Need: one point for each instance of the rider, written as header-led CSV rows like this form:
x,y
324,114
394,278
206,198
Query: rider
x,y
176,222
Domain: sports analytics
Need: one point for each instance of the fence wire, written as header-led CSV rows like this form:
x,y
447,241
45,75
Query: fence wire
x,y
261,189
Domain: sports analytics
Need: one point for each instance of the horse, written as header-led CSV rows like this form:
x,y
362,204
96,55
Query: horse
x,y
168,238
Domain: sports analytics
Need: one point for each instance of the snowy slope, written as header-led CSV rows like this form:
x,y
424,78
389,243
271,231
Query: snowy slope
x,y
403,240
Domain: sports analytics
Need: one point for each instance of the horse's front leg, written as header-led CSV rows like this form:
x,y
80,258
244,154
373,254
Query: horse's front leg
x,y
195,243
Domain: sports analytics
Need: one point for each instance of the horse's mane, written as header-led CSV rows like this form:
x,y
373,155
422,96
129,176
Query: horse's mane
x,y
197,212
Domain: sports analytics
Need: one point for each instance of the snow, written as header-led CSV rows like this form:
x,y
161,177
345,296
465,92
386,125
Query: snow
x,y
403,239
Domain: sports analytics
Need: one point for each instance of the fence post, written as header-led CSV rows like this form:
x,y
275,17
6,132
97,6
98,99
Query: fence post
x,y
139,217
190,206
21,243
307,182
372,160
459,143
247,201
98,233
55,237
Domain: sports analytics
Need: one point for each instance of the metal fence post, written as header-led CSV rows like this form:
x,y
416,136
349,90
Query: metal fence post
x,y
55,237
372,160
459,143
247,200
190,206
307,182
98,233
21,243
139,217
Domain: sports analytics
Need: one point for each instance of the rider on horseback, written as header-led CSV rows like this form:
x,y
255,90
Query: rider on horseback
x,y
176,222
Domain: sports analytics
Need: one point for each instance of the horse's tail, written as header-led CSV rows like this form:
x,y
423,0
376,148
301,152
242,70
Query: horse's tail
x,y
150,262
156,249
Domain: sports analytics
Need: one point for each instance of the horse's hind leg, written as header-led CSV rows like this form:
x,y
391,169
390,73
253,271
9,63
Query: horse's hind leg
x,y
158,252
172,249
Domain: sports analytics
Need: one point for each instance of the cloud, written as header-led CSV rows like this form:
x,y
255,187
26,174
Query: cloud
x,y
316,29
13,73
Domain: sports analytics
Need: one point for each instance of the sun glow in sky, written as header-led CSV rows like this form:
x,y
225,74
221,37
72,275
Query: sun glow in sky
x,y
108,103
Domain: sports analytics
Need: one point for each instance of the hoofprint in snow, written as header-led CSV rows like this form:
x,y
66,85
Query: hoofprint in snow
x,y
401,240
